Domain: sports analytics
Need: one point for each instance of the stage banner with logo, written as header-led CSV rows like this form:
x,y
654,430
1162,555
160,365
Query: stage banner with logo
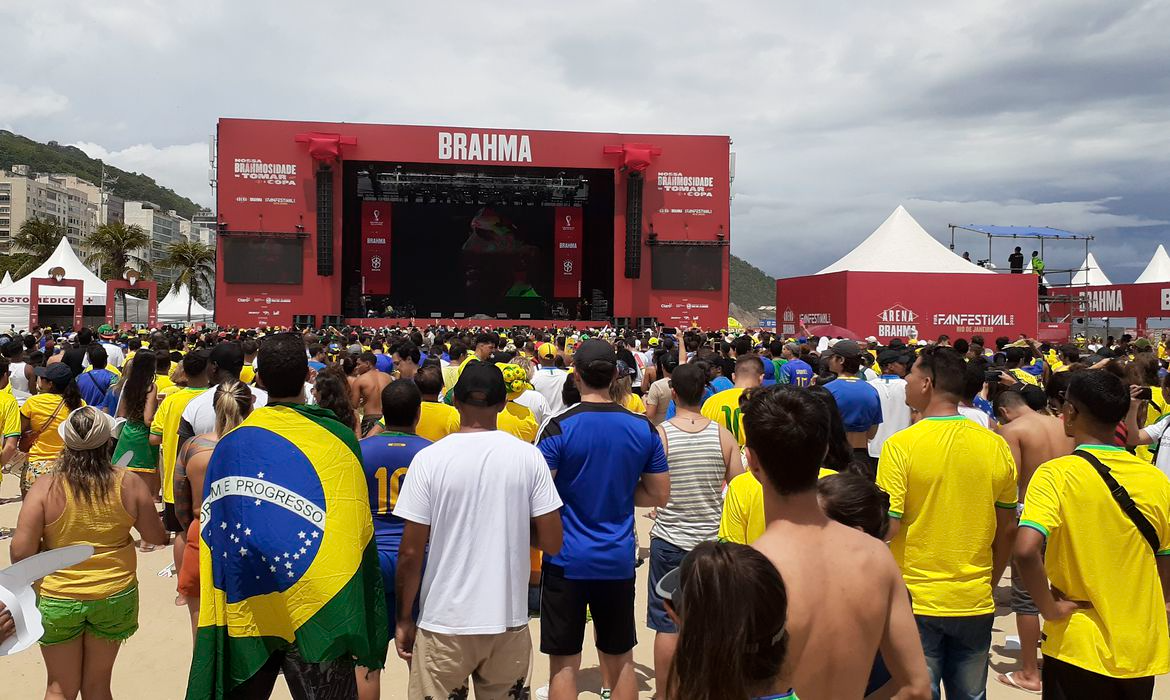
x,y
567,258
375,247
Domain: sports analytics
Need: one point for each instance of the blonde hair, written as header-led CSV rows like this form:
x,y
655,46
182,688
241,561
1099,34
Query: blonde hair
x,y
233,403
89,474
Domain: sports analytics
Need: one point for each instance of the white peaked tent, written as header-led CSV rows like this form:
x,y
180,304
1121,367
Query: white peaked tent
x,y
173,307
14,297
1158,270
8,279
900,244
1090,274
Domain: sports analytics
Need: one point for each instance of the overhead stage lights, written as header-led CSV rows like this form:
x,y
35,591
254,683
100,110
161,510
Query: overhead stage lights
x,y
472,188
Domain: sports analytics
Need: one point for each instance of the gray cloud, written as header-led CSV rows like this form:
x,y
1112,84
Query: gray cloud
x,y
1048,113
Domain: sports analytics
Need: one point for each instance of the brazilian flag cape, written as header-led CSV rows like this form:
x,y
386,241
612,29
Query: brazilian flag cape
x,y
287,552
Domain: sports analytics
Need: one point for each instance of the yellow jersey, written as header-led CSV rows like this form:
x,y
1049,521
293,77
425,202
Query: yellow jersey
x,y
635,404
39,409
723,408
519,421
946,476
1096,554
247,374
166,424
10,415
162,382
743,518
437,420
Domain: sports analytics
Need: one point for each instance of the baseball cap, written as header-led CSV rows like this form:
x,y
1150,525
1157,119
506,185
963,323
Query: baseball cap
x,y
594,350
481,384
845,348
107,332
653,341
624,370
1142,343
58,373
891,355
547,350
871,339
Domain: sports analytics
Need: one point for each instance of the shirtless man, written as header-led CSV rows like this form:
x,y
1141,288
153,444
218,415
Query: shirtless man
x,y
366,390
846,598
1034,439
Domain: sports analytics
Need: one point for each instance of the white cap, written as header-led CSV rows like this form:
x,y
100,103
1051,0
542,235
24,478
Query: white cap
x,y
871,339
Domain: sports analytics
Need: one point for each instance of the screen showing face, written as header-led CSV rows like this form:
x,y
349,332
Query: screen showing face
x,y
689,267
262,259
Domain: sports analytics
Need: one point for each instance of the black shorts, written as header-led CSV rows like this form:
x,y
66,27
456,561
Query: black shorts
x,y
562,613
1063,681
170,520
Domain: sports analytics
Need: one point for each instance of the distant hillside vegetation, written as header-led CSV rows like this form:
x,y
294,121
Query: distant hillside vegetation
x,y
69,160
751,287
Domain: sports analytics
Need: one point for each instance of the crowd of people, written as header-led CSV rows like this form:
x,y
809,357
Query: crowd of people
x,y
831,517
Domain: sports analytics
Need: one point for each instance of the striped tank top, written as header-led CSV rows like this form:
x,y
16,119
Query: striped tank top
x,y
696,487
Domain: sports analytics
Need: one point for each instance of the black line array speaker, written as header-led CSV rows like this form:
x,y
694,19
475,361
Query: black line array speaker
x,y
633,225
325,221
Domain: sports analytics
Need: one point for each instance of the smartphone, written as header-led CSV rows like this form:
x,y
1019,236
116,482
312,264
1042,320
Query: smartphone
x,y
992,376
1145,393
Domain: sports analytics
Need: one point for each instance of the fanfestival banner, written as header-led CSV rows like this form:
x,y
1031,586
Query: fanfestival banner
x,y
567,257
375,247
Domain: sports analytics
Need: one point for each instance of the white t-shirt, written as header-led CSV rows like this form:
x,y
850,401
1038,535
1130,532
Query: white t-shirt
x,y
895,413
200,412
534,401
549,381
114,355
976,415
478,493
1157,432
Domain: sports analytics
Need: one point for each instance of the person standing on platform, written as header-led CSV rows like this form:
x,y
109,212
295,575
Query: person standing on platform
x,y
1016,261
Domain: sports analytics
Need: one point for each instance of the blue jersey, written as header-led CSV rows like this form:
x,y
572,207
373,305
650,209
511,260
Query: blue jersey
x,y
721,383
599,452
385,459
797,373
858,402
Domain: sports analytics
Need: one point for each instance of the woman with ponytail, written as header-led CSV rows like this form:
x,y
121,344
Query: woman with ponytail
x,y
731,608
233,402
90,608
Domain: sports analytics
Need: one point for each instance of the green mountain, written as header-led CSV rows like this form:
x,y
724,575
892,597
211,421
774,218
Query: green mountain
x,y
52,157
751,287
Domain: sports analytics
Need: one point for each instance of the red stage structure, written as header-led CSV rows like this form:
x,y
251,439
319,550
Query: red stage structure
x,y
902,283
151,288
320,221
34,296
1141,302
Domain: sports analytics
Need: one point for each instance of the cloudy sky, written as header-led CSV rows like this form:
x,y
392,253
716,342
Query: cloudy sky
x,y
1043,113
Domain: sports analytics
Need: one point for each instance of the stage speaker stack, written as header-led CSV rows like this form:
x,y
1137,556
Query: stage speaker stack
x,y
621,322
647,322
633,224
336,321
325,221
305,320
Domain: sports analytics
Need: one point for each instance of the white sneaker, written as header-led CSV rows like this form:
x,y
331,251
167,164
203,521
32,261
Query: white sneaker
x,y
542,693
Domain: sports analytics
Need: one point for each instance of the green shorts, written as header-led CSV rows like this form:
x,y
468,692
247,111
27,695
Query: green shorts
x,y
113,619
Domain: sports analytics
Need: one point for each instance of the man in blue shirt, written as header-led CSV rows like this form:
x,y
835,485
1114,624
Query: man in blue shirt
x,y
794,371
605,460
858,402
385,459
95,382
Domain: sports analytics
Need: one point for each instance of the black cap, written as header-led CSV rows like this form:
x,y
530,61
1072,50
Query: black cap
x,y
594,350
229,357
58,373
481,384
891,355
845,348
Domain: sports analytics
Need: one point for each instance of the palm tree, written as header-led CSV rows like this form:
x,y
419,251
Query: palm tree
x,y
38,238
115,247
194,266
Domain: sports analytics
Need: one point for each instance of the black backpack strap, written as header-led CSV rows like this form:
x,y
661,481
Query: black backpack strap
x,y
1123,499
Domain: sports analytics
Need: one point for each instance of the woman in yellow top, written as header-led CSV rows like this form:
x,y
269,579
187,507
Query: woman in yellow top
x,y
89,609
622,391
57,395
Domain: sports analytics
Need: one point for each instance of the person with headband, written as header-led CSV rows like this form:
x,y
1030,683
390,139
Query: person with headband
x,y
90,608
731,608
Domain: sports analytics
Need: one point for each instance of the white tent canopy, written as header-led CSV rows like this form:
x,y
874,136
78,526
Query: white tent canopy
x,y
900,244
14,297
1090,274
173,307
1158,270
7,280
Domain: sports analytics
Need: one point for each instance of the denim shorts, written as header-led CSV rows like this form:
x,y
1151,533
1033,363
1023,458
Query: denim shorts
x,y
113,619
664,556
